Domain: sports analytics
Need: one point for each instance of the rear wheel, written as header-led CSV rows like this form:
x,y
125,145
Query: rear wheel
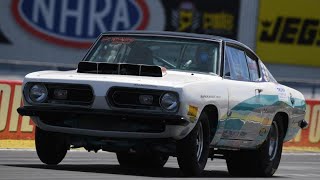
x,y
139,160
51,147
262,162
193,150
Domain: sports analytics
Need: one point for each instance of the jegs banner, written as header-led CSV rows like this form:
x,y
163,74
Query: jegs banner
x,y
289,32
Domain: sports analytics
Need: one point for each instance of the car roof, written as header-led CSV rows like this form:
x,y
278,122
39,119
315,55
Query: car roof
x,y
181,34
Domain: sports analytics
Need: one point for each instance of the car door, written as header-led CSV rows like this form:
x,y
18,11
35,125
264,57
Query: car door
x,y
256,125
272,97
244,108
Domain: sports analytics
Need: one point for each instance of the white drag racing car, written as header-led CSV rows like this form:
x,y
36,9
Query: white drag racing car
x,y
150,95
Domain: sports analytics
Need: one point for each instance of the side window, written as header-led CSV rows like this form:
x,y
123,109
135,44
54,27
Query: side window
x,y
266,75
238,64
253,69
227,74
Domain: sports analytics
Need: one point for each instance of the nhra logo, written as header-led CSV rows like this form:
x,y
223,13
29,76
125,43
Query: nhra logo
x,y
76,23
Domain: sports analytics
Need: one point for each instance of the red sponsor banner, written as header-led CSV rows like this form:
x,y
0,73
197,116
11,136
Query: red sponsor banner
x,y
309,137
13,126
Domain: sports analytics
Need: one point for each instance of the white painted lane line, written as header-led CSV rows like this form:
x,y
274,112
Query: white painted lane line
x,y
298,168
301,154
305,162
309,175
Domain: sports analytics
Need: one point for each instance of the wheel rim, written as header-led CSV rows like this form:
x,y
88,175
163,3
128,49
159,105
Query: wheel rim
x,y
199,141
274,140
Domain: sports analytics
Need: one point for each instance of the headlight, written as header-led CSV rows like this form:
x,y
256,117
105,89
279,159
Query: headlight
x,y
169,102
38,93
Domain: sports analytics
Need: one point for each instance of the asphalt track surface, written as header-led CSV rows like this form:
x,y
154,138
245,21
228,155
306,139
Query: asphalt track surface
x,y
23,164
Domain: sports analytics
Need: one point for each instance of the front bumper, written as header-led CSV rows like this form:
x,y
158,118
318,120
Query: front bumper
x,y
106,123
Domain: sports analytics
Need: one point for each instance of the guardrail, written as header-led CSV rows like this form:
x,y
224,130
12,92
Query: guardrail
x,y
42,65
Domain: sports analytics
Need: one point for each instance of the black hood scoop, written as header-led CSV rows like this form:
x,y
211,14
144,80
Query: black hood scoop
x,y
121,69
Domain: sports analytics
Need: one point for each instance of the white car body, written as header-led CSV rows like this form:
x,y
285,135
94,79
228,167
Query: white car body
x,y
195,89
240,113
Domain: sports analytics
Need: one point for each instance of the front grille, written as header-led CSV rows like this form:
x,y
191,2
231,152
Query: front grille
x,y
77,94
123,97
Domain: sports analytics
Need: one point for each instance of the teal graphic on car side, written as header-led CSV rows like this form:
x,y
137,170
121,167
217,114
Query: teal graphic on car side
x,y
250,109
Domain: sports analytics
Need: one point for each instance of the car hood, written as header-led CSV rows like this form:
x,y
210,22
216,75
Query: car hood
x,y
172,78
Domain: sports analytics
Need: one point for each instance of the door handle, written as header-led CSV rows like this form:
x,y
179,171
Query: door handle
x,y
259,90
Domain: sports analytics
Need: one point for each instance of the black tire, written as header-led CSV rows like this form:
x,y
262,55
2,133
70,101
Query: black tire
x,y
192,162
51,147
260,162
140,160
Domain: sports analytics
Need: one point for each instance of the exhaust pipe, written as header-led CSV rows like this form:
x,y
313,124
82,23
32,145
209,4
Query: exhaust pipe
x,y
303,124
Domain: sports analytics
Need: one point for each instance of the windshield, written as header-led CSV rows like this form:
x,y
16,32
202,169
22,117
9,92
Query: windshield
x,y
171,53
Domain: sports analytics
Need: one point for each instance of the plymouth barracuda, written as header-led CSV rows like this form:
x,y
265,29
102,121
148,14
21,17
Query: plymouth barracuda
x,y
149,95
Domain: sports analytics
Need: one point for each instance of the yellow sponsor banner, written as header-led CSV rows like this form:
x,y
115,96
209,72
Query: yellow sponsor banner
x,y
289,32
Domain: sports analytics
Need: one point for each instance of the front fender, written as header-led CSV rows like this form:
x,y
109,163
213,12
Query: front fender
x,y
193,103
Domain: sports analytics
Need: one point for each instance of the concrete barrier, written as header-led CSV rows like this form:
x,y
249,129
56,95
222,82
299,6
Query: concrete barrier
x,y
14,128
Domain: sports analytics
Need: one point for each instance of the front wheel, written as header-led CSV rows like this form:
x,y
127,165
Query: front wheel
x,y
51,147
193,150
262,162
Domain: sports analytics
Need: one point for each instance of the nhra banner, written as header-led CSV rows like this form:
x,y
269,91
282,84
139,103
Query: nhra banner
x,y
289,32
59,31
15,127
